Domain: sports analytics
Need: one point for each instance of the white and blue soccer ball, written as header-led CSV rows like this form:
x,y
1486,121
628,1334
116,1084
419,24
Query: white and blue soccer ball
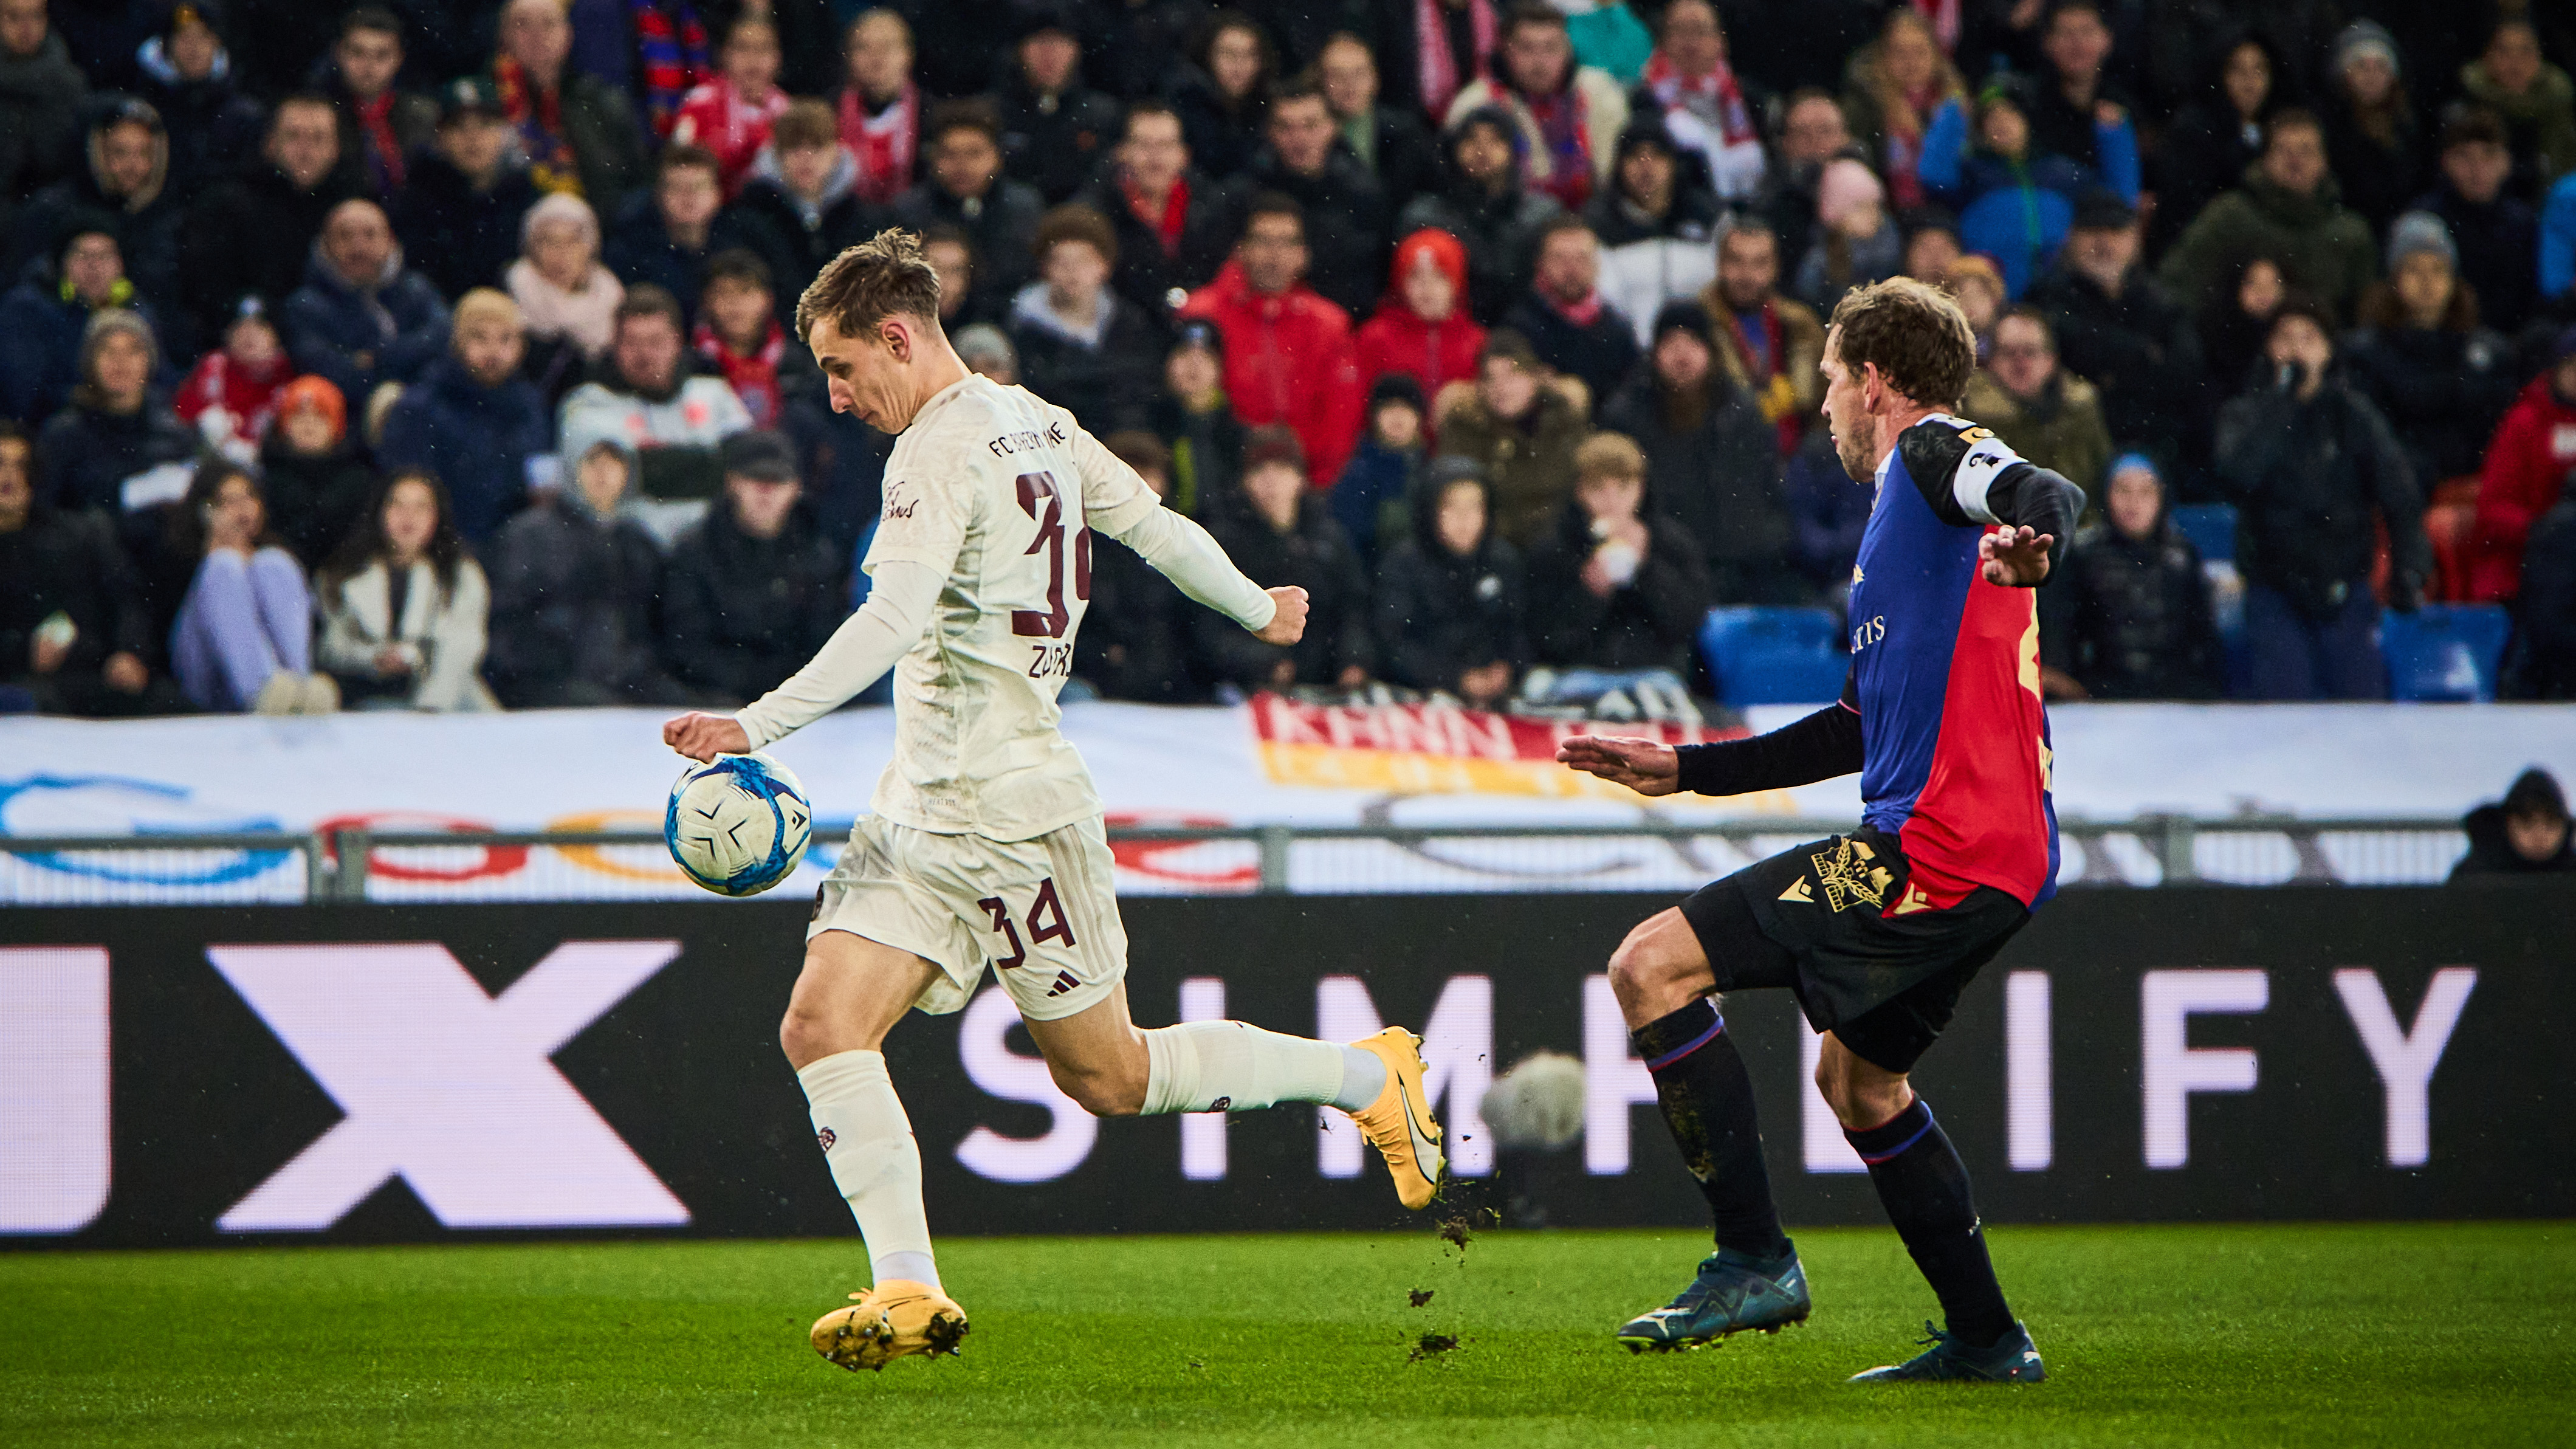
x,y
738,825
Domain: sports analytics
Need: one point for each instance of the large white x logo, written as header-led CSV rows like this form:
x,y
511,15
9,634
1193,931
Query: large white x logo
x,y
448,1086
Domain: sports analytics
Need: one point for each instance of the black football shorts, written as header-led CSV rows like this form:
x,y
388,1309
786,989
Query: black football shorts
x,y
1814,920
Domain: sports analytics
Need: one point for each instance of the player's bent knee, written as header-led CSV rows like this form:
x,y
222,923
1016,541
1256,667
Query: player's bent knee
x,y
1659,968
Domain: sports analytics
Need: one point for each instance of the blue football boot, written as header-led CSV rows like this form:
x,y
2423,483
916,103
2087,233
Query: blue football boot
x,y
1734,1292
2013,1361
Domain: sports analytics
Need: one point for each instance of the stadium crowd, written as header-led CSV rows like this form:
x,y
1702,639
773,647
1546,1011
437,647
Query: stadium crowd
x,y
439,354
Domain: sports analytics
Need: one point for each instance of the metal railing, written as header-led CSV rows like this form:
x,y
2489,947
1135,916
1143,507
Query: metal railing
x,y
355,865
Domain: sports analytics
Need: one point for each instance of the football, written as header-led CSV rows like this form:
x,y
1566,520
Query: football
x,y
738,825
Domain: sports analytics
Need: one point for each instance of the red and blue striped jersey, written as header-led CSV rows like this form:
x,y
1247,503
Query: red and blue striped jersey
x,y
1956,757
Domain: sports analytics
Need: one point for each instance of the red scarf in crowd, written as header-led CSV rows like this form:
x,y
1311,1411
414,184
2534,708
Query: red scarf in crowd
x,y
538,115
384,148
671,51
752,375
1715,97
1174,217
1564,130
882,143
1442,76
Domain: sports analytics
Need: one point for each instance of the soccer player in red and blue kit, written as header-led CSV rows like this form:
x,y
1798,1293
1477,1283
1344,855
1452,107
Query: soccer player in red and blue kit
x,y
1877,932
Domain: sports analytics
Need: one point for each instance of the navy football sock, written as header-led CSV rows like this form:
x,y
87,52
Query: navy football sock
x,y
1707,1100
1925,1188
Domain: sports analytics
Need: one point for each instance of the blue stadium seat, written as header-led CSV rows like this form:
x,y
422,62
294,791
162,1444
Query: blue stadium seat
x,y
2211,527
1774,656
2444,653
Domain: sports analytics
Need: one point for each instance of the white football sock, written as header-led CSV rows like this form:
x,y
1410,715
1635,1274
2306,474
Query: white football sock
x,y
867,1140
1231,1066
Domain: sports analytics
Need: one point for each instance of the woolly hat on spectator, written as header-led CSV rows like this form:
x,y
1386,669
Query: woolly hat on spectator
x,y
318,393
1974,266
1199,332
762,455
1845,187
1273,443
471,95
2420,231
2360,38
2102,209
1685,315
1644,131
1397,387
1037,17
1503,342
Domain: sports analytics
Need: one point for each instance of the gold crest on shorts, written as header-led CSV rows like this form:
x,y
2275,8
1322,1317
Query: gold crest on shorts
x,y
1850,873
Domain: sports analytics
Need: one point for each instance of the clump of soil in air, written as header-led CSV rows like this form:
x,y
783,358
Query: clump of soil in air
x,y
1421,1296
1432,1345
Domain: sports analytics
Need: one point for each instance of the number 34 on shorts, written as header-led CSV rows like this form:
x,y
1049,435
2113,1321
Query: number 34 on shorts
x,y
1043,912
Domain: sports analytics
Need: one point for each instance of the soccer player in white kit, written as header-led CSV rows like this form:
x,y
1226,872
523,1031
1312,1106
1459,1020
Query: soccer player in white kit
x,y
985,843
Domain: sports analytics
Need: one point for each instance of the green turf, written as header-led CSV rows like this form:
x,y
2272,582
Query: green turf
x,y
2417,1334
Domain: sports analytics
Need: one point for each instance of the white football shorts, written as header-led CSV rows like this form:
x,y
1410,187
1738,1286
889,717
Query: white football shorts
x,y
1043,912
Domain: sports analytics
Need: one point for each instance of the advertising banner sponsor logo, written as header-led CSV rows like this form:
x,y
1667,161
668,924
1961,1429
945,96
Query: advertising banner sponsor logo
x,y
192,1076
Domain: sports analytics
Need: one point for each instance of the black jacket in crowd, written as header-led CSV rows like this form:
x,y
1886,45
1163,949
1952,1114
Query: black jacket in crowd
x,y
1440,614
740,614
766,220
2140,350
1314,555
1404,156
2547,662
314,499
2491,853
1347,221
1600,351
2310,481
1499,232
71,564
1221,139
1716,471
2442,392
1108,386
575,603
85,454
1135,641
1147,274
456,236
2499,244
1650,624
1001,224
638,249
253,235
2131,619
1054,142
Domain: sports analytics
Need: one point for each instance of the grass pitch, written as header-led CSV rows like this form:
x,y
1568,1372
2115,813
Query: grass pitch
x,y
2417,1334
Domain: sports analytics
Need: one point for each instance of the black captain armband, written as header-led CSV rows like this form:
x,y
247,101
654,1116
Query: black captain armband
x,y
1972,478
1819,747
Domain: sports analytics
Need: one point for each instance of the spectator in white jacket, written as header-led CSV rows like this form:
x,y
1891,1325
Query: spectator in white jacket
x,y
404,607
645,400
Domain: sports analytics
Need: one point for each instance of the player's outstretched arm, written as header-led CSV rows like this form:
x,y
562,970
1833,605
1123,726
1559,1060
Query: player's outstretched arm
x,y
1648,767
866,645
1819,747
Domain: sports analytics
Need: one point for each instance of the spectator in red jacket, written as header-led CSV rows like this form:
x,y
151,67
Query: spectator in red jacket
x,y
731,114
1288,353
2526,470
230,396
1422,328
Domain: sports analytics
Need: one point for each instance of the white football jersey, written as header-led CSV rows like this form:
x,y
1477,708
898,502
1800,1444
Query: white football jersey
x,y
1002,490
